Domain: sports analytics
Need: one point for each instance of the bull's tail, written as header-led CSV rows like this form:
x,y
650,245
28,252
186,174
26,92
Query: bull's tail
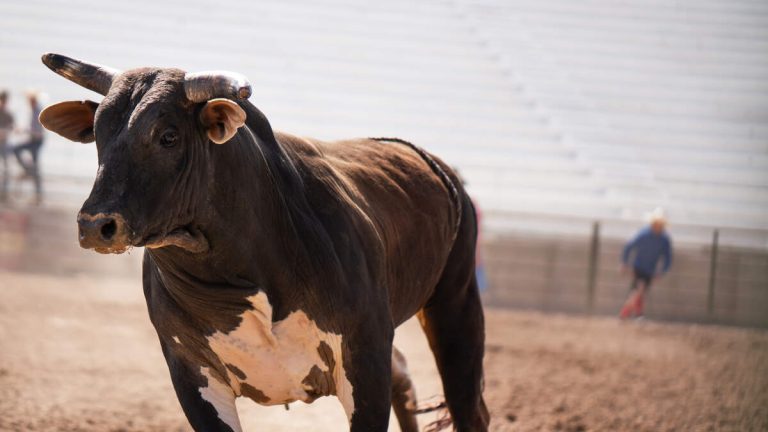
x,y
435,404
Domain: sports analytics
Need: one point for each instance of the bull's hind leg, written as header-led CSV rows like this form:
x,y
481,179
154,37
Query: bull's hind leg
x,y
403,394
454,324
455,331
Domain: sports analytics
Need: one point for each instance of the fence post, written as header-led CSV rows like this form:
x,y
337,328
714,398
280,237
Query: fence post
x,y
594,250
712,274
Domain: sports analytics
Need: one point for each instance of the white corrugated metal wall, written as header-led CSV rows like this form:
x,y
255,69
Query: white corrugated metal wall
x,y
597,108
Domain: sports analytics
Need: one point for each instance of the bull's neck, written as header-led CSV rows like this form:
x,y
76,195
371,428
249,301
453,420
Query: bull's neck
x,y
259,196
261,230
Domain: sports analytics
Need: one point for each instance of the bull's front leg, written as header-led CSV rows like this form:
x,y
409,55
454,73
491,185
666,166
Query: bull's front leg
x,y
207,401
368,364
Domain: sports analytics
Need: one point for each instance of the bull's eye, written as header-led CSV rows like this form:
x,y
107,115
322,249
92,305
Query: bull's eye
x,y
169,138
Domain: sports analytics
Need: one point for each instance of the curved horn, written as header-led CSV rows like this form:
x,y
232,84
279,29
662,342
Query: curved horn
x,y
91,76
203,86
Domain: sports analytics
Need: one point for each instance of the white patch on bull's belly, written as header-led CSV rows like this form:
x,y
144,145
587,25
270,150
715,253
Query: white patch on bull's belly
x,y
276,357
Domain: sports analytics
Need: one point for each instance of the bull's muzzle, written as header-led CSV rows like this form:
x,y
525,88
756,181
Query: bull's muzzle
x,y
104,232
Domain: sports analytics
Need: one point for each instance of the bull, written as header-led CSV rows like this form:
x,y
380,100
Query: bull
x,y
277,267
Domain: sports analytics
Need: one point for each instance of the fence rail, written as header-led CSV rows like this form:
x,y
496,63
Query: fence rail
x,y
548,263
556,263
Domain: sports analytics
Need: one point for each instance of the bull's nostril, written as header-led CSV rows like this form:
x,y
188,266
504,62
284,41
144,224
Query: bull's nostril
x,y
108,230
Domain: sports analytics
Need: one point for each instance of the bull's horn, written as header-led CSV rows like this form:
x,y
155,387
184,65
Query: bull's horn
x,y
91,76
203,86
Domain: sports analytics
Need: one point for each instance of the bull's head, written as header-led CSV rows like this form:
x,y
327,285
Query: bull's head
x,y
153,131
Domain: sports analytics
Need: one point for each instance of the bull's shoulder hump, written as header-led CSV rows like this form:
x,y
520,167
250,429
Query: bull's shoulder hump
x,y
302,146
363,162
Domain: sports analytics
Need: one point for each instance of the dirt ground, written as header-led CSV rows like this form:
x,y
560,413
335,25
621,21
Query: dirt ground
x,y
78,353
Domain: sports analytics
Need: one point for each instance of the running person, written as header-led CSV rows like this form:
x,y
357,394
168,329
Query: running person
x,y
649,246
32,146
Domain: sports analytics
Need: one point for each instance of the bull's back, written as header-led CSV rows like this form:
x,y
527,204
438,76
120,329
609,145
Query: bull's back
x,y
404,198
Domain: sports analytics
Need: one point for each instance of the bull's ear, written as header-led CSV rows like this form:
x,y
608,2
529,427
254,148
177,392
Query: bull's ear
x,y
72,120
221,119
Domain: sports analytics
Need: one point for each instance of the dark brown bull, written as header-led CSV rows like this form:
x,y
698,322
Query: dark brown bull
x,y
277,267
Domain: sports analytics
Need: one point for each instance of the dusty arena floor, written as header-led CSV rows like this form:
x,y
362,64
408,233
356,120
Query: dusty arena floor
x,y
77,353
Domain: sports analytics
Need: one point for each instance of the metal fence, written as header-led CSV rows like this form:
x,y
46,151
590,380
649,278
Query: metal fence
x,y
551,263
534,261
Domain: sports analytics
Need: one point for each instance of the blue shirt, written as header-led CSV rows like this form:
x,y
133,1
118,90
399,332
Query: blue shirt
x,y
648,248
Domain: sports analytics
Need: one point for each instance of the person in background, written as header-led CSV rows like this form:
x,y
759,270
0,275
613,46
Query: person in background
x,y
32,146
482,280
650,246
6,127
